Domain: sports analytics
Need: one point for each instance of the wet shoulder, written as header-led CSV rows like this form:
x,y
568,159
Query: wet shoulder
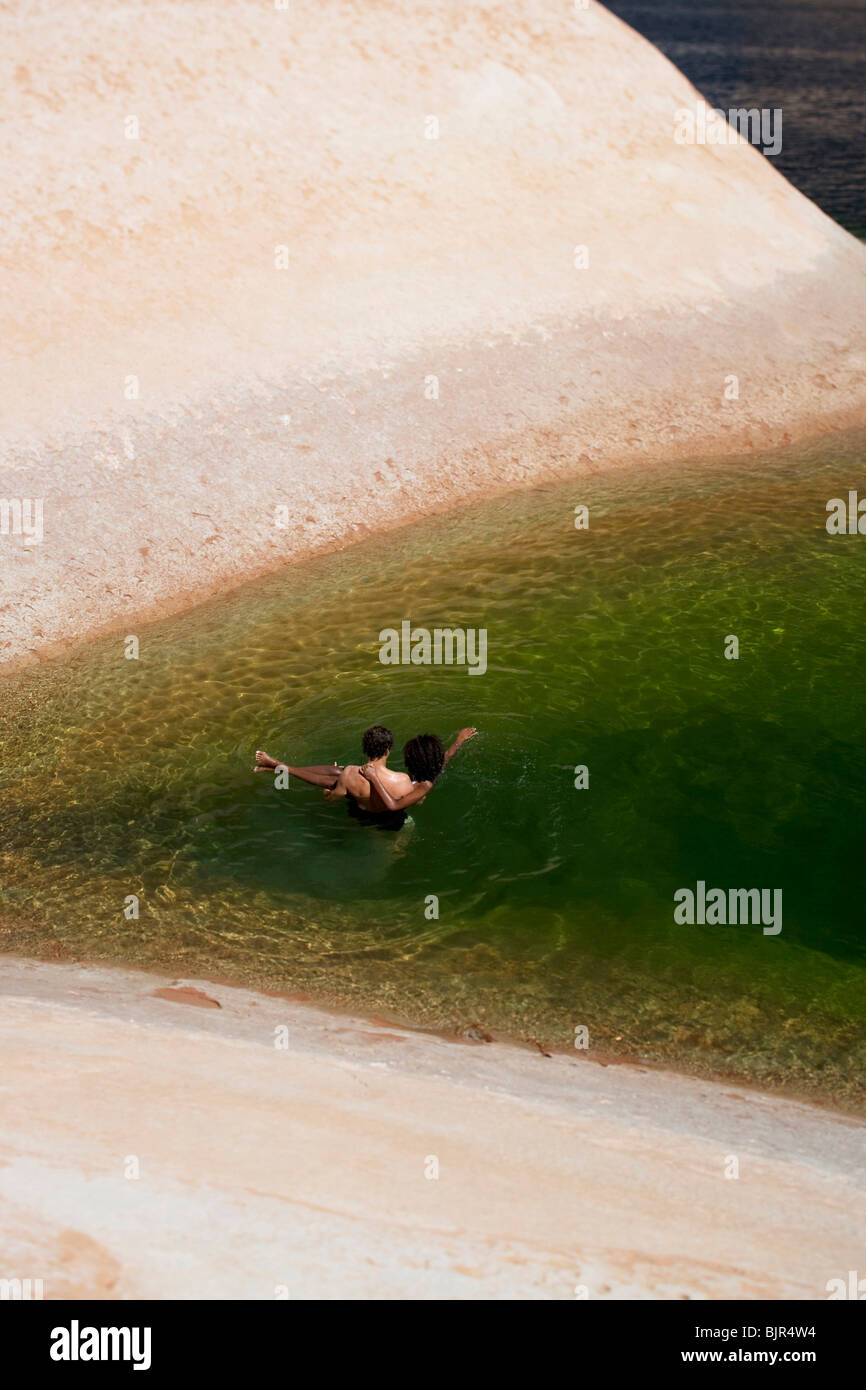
x,y
354,782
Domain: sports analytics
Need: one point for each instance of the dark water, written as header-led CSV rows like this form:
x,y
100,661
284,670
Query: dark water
x,y
807,57
606,648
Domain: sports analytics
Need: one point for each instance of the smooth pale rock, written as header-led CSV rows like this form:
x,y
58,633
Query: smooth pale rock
x,y
150,1151
168,386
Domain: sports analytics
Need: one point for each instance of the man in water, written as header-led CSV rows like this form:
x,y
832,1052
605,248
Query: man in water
x,y
426,759
339,780
376,794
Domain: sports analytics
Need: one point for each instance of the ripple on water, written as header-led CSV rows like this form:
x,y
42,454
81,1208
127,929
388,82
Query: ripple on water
x,y
555,905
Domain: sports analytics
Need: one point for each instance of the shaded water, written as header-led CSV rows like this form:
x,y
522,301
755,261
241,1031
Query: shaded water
x,y
805,58
606,648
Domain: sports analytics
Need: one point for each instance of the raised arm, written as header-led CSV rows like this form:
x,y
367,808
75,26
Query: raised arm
x,y
396,803
462,737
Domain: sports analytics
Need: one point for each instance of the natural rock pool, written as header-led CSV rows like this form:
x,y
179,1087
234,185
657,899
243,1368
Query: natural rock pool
x,y
605,650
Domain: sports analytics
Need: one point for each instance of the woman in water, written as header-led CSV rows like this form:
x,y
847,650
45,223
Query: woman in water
x,y
425,759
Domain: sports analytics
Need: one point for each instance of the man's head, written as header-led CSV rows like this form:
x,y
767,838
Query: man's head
x,y
424,757
377,742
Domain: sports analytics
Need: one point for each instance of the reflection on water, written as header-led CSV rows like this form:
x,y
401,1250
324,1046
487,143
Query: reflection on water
x,y
555,904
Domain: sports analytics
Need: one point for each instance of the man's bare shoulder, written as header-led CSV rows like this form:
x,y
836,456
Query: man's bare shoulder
x,y
352,780
398,783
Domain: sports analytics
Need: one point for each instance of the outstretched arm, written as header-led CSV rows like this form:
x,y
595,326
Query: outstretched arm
x,y
396,803
462,737
321,775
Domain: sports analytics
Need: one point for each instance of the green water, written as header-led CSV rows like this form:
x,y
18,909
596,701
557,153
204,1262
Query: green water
x,y
606,648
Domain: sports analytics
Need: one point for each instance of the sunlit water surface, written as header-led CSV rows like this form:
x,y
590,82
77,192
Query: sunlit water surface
x,y
606,649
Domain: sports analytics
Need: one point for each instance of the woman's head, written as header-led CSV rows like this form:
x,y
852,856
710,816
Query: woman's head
x,y
424,757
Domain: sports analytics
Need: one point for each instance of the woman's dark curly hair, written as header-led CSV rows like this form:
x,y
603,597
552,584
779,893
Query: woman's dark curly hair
x,y
424,757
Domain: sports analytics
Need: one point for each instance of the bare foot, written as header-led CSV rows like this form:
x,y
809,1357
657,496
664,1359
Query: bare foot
x,y
264,762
